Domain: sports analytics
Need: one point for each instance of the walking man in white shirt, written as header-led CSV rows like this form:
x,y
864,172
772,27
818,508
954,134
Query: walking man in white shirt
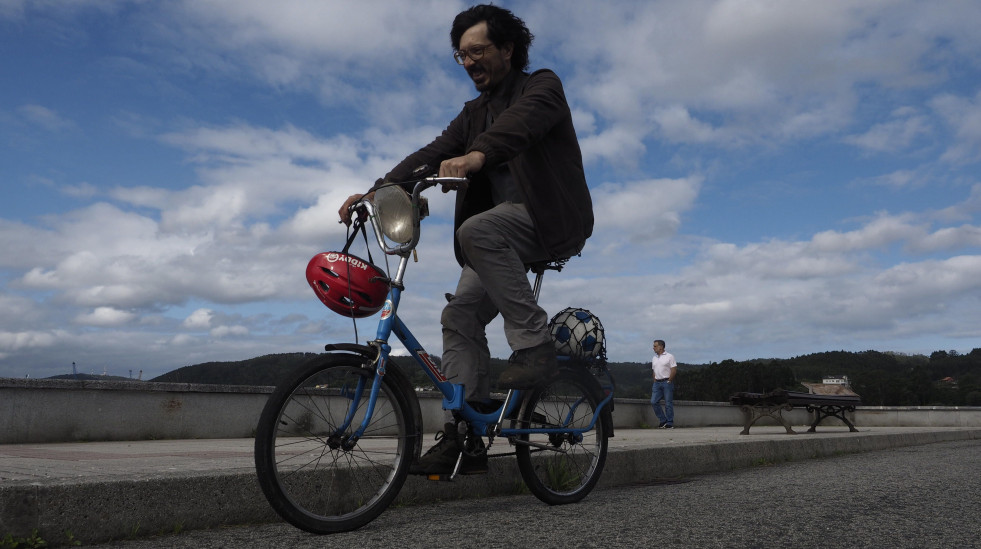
x,y
664,368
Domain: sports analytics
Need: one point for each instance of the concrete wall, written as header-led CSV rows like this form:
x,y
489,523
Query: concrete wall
x,y
44,410
67,410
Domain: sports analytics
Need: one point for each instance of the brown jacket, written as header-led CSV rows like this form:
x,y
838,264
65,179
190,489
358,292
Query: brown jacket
x,y
535,136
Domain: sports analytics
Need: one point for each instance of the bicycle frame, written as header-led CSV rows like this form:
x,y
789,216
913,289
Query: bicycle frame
x,y
483,424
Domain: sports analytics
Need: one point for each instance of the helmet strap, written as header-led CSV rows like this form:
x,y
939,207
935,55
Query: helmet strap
x,y
357,226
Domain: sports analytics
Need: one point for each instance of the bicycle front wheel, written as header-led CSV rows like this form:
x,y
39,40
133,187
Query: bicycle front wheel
x,y
562,468
314,474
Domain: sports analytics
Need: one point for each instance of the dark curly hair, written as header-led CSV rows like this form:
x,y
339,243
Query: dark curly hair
x,y
502,27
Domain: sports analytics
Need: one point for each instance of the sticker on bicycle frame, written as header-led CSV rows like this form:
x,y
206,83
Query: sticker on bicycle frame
x,y
387,309
428,361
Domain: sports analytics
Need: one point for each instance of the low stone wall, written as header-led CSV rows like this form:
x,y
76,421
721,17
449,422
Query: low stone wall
x,y
918,416
44,410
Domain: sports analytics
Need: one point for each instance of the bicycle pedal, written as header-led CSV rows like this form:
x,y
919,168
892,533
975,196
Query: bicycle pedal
x,y
442,477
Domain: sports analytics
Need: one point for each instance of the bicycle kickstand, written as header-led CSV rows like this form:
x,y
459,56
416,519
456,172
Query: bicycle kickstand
x,y
447,477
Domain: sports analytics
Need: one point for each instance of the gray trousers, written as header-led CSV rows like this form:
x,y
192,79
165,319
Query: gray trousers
x,y
496,245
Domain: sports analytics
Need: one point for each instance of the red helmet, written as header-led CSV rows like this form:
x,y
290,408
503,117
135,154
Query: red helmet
x,y
347,284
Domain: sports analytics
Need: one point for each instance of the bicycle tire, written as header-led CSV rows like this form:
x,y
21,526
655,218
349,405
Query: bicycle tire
x,y
308,476
569,468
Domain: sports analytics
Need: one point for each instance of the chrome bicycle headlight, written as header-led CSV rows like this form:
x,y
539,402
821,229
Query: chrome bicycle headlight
x,y
393,210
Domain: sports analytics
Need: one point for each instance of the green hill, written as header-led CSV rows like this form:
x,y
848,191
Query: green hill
x,y
90,377
263,370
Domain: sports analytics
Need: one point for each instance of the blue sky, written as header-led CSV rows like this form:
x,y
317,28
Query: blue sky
x,y
769,179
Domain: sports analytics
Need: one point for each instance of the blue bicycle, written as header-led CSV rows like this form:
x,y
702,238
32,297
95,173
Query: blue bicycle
x,y
336,438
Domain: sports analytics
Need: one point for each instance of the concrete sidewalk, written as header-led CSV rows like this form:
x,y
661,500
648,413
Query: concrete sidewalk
x,y
117,490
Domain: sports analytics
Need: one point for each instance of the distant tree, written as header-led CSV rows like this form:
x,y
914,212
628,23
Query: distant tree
x,y
921,386
719,381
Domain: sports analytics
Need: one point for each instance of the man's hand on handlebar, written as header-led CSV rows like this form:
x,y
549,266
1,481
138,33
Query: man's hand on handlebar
x,y
461,167
345,211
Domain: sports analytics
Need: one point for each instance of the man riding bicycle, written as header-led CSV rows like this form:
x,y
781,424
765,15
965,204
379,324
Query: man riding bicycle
x,y
527,201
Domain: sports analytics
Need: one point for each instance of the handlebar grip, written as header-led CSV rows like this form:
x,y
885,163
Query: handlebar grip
x,y
423,184
428,182
444,180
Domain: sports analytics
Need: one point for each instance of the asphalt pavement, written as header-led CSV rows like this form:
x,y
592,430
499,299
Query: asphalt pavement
x,y
918,497
127,490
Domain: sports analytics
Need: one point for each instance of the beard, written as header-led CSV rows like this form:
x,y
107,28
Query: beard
x,y
480,77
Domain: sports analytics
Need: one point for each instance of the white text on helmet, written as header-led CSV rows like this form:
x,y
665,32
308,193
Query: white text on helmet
x,y
353,261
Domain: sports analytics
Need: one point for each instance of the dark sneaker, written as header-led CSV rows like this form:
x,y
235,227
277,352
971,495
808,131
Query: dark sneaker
x,y
661,425
669,426
441,458
530,367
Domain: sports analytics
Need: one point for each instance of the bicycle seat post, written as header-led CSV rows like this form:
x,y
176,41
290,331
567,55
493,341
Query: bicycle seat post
x,y
539,275
539,268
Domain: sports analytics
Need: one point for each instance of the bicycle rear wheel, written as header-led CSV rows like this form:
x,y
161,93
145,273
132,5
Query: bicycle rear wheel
x,y
313,474
562,468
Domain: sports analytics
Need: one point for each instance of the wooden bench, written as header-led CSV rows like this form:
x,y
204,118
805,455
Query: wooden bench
x,y
759,405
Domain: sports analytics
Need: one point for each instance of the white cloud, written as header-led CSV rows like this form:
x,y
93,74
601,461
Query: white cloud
x,y
963,115
199,319
252,171
926,285
677,124
44,118
914,234
775,260
225,331
18,341
618,145
963,210
948,238
334,47
900,179
895,135
81,190
105,316
748,72
791,296
880,232
649,209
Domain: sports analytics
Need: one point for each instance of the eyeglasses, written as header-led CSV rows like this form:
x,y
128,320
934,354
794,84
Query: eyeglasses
x,y
473,52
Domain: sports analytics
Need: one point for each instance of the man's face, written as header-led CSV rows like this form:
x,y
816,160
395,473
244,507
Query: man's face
x,y
495,63
658,348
